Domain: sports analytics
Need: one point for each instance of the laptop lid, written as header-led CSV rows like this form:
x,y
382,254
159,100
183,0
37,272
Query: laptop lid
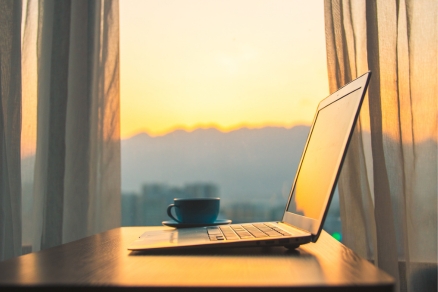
x,y
323,155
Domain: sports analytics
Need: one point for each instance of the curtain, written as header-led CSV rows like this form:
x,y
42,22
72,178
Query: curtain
x,y
10,123
388,184
68,89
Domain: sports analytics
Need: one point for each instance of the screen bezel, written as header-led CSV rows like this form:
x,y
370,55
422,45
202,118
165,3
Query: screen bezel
x,y
314,226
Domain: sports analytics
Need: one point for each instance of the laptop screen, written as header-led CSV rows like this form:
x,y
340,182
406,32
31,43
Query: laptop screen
x,y
316,177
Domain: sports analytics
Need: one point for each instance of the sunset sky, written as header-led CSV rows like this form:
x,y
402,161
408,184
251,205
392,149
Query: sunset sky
x,y
224,64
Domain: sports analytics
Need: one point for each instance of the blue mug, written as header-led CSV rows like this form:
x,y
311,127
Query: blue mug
x,y
194,210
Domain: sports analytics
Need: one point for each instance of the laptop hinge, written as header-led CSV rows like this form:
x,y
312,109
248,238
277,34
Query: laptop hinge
x,y
291,225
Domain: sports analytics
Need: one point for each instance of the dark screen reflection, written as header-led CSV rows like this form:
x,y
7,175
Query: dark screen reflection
x,y
323,154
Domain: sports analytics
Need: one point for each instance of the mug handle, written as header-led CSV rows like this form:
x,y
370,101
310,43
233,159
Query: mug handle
x,y
169,209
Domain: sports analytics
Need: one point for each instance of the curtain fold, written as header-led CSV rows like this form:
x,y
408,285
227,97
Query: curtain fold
x,y
77,167
105,121
59,122
388,185
10,128
93,113
71,123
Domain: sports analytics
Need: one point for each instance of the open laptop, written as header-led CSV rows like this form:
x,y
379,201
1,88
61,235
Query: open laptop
x,y
310,195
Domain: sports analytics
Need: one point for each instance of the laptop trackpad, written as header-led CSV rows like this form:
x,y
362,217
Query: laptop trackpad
x,y
185,236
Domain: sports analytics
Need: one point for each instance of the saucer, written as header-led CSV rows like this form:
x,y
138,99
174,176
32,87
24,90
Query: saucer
x,y
172,223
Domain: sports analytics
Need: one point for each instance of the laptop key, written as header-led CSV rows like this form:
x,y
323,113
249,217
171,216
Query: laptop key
x,y
211,232
281,231
260,235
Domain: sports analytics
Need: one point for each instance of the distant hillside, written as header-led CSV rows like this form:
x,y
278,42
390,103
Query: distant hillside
x,y
260,163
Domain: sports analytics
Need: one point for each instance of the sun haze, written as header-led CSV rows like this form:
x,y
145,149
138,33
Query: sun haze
x,y
223,64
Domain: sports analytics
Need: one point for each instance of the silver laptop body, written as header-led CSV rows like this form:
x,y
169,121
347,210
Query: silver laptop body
x,y
310,195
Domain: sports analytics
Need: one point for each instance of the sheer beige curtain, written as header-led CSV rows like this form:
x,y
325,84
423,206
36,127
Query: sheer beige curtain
x,y
70,152
10,124
388,186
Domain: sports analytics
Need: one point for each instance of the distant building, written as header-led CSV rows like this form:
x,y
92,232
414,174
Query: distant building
x,y
129,209
241,212
201,190
149,207
154,201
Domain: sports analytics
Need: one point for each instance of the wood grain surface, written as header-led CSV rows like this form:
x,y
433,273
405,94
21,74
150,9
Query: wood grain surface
x,y
102,261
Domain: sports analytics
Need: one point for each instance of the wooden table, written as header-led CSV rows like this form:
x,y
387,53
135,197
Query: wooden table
x,y
102,261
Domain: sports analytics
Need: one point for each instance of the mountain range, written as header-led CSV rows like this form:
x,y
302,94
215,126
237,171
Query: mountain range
x,y
244,164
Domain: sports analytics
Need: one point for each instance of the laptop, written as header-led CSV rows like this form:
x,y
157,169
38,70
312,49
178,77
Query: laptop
x,y
310,195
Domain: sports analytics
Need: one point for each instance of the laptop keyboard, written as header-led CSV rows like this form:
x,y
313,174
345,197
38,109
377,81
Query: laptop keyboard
x,y
245,231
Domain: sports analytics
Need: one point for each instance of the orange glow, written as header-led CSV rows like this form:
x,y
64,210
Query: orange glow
x,y
222,64
218,127
29,84
323,155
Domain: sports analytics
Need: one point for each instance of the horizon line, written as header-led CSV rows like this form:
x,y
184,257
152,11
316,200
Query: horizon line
x,y
31,152
209,127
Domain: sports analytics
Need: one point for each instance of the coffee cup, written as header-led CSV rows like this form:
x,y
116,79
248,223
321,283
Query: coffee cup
x,y
194,210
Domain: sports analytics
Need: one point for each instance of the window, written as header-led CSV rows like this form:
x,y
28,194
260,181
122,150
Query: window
x,y
216,100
